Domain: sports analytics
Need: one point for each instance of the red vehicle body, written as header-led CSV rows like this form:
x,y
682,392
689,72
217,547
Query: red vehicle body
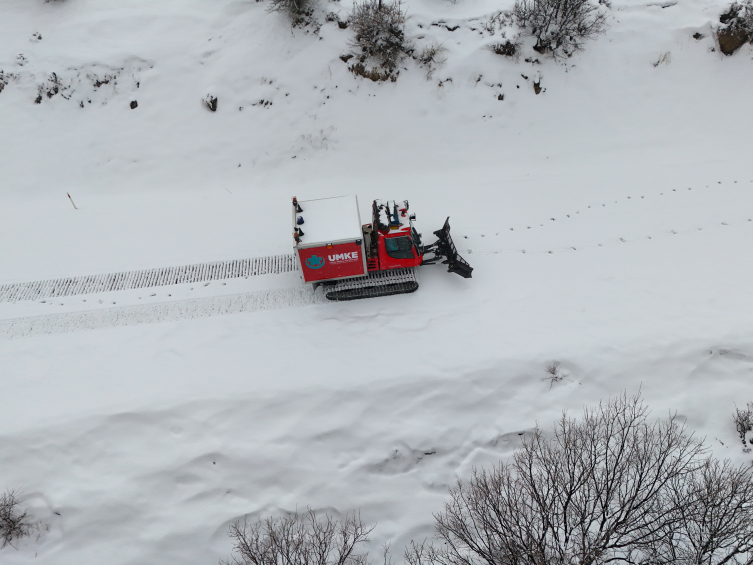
x,y
395,243
361,261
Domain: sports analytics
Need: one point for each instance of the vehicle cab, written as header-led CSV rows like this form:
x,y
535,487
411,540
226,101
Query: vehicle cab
x,y
392,239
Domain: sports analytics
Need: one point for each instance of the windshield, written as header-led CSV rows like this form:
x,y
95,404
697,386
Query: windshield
x,y
399,247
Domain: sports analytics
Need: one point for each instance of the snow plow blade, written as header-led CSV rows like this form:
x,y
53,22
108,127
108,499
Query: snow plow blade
x,y
446,248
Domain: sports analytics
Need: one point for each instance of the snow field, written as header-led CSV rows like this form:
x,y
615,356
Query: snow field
x,y
139,430
148,483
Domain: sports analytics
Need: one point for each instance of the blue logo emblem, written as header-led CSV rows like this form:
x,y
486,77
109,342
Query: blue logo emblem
x,y
315,262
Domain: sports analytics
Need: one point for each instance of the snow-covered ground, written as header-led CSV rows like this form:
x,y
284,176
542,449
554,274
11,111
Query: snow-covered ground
x,y
608,220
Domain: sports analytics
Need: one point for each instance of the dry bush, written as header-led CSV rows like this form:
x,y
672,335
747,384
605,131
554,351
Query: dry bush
x,y
14,522
508,48
432,57
561,27
739,15
300,539
379,29
498,21
612,487
555,375
743,421
300,12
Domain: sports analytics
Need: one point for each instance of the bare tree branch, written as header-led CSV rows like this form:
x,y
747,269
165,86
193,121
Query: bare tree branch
x,y
610,487
300,539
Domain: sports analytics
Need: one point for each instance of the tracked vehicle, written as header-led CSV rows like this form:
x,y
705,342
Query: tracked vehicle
x,y
353,260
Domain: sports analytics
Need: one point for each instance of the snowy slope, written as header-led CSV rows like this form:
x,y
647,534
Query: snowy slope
x,y
607,220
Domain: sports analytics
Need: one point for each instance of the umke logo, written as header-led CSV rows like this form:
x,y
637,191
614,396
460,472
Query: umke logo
x,y
343,257
315,262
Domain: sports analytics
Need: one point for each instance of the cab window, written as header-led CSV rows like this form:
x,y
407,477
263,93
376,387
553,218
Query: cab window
x,y
399,247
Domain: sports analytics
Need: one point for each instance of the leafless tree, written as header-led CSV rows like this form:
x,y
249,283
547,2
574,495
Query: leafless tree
x,y
14,522
300,539
612,487
379,28
713,518
561,27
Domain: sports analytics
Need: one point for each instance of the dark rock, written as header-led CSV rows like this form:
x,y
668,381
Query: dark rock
x,y
730,40
134,104
345,58
698,36
537,87
38,99
342,25
211,102
501,97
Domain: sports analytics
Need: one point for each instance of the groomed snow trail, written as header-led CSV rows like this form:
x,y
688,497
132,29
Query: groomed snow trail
x,y
162,312
217,270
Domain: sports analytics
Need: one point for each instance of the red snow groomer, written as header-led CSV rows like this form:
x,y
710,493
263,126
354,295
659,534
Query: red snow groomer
x,y
357,261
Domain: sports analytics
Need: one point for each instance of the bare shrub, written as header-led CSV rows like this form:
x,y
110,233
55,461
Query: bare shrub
x,y
553,369
561,27
379,29
374,74
14,522
300,539
610,487
743,421
432,57
498,21
300,12
508,48
739,15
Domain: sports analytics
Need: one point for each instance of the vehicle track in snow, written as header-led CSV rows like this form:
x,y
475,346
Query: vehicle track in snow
x,y
146,278
190,309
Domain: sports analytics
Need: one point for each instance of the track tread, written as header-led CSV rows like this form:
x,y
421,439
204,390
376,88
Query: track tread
x,y
378,283
217,270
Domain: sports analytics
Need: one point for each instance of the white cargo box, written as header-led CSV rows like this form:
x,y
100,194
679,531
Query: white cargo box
x,y
331,244
329,220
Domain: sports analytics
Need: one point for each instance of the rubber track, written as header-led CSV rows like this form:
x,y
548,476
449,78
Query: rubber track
x,y
217,270
379,283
